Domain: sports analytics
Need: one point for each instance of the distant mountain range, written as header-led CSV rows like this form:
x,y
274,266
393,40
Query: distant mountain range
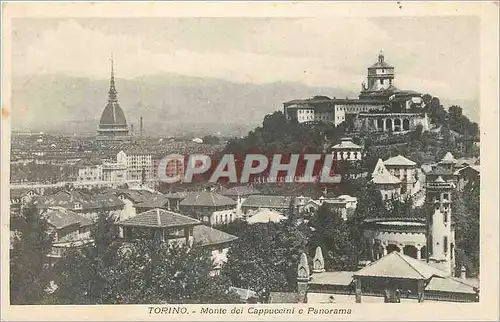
x,y
170,104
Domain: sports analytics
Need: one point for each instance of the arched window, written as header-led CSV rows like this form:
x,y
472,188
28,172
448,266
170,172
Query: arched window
x,y
406,125
388,124
380,124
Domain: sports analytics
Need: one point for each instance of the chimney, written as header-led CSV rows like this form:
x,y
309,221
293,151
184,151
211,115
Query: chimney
x,y
463,273
140,127
131,129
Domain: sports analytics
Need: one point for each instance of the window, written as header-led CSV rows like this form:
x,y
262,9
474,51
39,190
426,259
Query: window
x,y
382,81
445,217
445,244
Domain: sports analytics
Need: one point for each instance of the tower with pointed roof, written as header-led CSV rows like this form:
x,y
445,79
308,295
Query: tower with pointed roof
x,y
318,261
113,124
440,233
302,278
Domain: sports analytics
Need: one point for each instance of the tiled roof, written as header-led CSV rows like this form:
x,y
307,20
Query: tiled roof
x,y
68,199
283,297
177,195
265,216
206,236
346,143
448,158
399,160
381,64
262,201
159,218
343,278
397,265
156,201
329,103
60,217
244,294
450,284
19,192
374,92
382,176
439,180
137,151
136,195
207,199
240,191
105,200
440,171
473,167
88,163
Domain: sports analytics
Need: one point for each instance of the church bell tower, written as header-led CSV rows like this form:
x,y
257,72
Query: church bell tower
x,y
380,75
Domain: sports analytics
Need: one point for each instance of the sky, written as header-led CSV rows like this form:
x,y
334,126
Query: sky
x,y
438,55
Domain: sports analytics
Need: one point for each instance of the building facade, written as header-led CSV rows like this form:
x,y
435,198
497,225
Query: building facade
x,y
139,164
406,171
209,207
388,184
380,105
89,171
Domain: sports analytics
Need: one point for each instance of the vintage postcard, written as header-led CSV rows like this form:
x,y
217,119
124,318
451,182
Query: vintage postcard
x,y
250,160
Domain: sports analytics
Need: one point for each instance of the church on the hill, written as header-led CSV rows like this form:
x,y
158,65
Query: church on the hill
x,y
380,106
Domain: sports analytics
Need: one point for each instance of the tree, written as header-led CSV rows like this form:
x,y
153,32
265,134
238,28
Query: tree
x,y
333,235
437,113
31,245
465,211
265,257
400,209
81,274
144,271
152,272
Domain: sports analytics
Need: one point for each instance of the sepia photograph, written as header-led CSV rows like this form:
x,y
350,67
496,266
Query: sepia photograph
x,y
279,166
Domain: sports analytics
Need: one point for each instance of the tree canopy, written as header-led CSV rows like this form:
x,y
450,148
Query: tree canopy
x,y
30,246
465,210
335,238
265,256
143,271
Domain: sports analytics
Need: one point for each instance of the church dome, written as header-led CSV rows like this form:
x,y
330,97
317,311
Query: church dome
x,y
113,124
113,115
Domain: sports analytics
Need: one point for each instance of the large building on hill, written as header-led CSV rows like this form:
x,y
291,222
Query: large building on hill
x,y
113,124
380,105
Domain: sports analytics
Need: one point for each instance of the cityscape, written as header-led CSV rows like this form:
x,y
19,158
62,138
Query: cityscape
x,y
93,220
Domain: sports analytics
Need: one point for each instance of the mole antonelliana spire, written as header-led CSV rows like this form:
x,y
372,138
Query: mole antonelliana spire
x,y
112,89
113,124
